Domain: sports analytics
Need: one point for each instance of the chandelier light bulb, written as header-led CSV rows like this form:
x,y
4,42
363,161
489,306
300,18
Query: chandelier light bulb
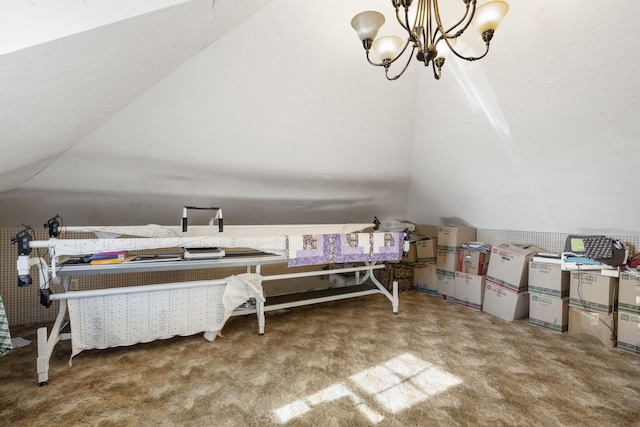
x,y
489,15
367,24
387,47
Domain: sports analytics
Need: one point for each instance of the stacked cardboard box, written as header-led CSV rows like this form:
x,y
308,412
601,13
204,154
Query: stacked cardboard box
x,y
549,296
629,313
425,277
416,243
469,282
506,293
593,326
450,240
592,307
593,291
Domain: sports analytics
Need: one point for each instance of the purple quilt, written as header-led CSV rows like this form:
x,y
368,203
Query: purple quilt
x,y
315,249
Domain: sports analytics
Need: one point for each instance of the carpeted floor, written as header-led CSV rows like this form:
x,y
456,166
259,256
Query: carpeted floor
x,y
344,363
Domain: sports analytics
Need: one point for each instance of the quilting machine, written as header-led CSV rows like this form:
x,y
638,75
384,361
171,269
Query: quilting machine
x,y
141,313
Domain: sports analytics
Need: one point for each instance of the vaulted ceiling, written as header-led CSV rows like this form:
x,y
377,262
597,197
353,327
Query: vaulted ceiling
x,y
268,108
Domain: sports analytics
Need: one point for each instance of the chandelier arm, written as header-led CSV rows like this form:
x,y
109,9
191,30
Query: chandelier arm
x,y
386,70
423,15
406,45
466,17
373,63
426,27
404,24
469,58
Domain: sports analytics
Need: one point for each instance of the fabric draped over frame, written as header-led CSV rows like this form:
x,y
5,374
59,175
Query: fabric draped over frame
x,y
5,336
316,249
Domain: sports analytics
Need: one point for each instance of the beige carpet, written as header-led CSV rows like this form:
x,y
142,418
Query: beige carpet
x,y
345,363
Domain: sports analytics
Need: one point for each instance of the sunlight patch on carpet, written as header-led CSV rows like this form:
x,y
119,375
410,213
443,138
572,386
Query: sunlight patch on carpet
x,y
396,384
331,393
403,381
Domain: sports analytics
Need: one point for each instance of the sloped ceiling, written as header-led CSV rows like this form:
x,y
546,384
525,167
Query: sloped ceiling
x,y
260,122
57,92
269,109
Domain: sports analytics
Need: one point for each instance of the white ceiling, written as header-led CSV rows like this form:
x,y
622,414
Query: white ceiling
x,y
269,109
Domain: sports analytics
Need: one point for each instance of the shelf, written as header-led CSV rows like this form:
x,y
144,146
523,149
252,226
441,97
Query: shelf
x,y
318,296
229,260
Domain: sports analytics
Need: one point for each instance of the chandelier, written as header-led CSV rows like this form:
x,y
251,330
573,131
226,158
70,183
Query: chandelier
x,y
429,39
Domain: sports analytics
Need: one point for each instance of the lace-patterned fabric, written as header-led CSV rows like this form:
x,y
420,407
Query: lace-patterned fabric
x,y
5,336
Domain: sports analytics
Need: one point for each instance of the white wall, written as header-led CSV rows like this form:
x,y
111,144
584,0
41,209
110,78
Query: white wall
x,y
547,143
282,120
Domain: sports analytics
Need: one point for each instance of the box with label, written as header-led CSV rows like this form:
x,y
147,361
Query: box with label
x,y
548,279
593,291
469,290
446,284
447,259
629,292
509,265
425,278
473,258
454,236
629,331
549,312
504,302
426,250
592,326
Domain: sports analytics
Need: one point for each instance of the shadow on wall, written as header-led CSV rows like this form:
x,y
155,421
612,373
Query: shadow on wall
x,y
454,220
82,208
151,191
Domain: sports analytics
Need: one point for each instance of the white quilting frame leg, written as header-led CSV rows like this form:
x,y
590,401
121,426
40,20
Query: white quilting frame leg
x,y
261,319
47,344
43,357
395,302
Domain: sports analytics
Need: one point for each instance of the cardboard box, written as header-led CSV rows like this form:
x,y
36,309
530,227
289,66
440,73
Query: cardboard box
x,y
629,331
425,278
504,302
454,236
474,259
593,327
426,250
469,290
447,259
509,265
446,284
629,293
430,231
593,292
549,312
548,279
